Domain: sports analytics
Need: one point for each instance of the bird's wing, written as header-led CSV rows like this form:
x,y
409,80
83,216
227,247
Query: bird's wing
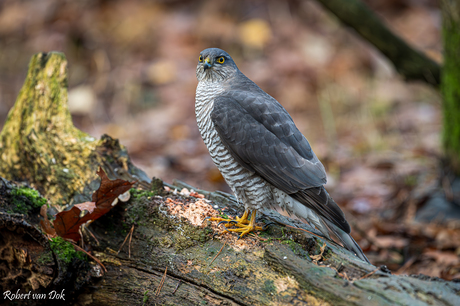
x,y
261,136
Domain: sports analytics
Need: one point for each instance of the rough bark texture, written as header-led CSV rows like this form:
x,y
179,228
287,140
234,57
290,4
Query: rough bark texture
x,y
285,266
39,143
409,62
451,82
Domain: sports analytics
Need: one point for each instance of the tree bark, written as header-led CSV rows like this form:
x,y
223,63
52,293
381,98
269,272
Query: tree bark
x,y
451,82
285,266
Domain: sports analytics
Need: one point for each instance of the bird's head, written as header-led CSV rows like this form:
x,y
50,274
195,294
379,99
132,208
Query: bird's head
x,y
215,65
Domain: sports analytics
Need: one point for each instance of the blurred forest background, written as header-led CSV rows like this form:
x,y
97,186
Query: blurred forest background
x,y
132,76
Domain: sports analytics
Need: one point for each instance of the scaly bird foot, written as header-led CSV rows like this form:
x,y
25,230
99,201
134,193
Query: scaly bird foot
x,y
245,229
227,222
238,222
244,226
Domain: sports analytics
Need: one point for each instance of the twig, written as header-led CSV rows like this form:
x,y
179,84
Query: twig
x,y
129,245
124,241
406,265
320,256
370,273
177,287
343,275
132,228
218,253
161,283
94,258
92,235
81,235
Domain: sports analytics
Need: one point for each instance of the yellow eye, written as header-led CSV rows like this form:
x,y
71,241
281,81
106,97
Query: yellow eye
x,y
221,60
200,58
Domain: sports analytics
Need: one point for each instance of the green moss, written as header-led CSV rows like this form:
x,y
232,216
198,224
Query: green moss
x,y
25,199
138,210
45,258
269,286
165,242
186,236
296,248
222,214
242,269
126,228
145,298
138,193
410,180
64,250
141,210
38,142
182,235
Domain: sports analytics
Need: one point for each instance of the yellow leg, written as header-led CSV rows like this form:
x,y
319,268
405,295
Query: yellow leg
x,y
238,221
245,229
243,225
244,218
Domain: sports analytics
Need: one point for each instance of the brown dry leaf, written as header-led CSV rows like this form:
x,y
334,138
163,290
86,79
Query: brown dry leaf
x,y
451,273
387,242
68,222
45,224
89,206
443,258
109,191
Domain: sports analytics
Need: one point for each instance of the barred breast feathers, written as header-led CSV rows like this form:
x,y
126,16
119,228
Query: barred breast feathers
x,y
249,188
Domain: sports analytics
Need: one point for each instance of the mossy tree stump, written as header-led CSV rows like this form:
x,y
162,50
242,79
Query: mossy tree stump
x,y
39,143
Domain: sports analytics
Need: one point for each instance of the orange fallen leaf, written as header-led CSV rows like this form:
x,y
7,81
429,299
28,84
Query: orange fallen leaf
x,y
67,223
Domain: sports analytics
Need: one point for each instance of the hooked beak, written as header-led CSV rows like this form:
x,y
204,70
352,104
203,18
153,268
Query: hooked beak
x,y
207,64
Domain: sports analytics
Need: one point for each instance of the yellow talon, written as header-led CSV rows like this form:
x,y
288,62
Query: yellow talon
x,y
244,226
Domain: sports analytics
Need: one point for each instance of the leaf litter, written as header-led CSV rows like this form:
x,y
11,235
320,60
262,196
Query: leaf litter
x,y
67,223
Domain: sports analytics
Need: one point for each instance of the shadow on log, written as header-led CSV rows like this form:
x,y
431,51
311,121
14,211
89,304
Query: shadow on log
x,y
171,259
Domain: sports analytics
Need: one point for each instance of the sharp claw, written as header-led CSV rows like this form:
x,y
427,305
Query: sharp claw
x,y
233,221
206,218
224,222
267,225
216,234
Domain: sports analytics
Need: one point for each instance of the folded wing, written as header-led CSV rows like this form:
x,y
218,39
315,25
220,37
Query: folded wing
x,y
262,137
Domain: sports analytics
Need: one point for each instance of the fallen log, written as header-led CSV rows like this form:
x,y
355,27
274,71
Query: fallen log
x,y
171,256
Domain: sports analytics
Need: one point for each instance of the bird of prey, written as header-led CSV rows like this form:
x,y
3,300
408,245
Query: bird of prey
x,y
260,152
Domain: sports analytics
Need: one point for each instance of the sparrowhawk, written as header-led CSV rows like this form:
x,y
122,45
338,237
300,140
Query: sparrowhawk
x,y
261,154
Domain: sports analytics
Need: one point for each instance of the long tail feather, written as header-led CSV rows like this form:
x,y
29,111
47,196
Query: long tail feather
x,y
347,241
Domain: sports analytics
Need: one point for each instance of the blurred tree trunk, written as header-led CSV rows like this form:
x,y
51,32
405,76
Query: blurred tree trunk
x,y
409,62
414,65
450,85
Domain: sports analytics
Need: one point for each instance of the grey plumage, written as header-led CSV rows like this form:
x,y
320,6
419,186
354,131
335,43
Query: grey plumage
x,y
262,155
